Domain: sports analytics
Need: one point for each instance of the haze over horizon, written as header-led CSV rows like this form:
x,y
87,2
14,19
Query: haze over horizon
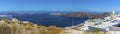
x,y
63,5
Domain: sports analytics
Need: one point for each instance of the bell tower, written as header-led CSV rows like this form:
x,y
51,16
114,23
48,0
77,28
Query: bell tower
x,y
113,12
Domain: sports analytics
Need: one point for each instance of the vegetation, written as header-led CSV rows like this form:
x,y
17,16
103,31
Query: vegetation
x,y
13,27
95,31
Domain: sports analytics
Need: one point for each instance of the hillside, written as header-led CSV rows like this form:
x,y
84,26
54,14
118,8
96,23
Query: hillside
x,y
24,27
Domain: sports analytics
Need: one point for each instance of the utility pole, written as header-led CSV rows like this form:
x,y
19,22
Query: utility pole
x,y
72,21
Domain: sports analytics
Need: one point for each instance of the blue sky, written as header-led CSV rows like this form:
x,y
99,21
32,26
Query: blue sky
x,y
63,5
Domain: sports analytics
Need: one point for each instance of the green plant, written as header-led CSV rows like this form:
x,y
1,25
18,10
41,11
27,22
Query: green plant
x,y
97,30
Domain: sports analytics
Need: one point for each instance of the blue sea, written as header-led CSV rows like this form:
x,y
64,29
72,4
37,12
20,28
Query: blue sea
x,y
46,19
49,20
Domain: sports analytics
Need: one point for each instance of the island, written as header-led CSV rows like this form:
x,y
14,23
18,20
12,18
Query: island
x,y
85,15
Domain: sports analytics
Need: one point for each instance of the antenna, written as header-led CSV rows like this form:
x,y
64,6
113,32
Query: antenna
x,y
72,21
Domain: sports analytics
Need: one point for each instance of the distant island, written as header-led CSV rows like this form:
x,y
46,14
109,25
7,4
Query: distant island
x,y
85,15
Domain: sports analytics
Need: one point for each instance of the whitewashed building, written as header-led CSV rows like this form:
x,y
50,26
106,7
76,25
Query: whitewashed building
x,y
104,24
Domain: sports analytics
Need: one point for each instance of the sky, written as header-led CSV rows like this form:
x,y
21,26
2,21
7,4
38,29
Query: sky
x,y
63,5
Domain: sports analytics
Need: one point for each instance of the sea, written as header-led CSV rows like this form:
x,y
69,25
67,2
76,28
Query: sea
x,y
46,19
50,20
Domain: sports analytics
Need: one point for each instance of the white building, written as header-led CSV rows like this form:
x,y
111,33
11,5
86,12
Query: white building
x,y
105,23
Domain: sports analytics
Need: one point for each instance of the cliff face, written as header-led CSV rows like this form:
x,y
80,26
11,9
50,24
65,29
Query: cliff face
x,y
19,27
84,15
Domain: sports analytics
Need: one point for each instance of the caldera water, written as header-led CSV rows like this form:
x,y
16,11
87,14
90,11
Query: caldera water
x,y
49,20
